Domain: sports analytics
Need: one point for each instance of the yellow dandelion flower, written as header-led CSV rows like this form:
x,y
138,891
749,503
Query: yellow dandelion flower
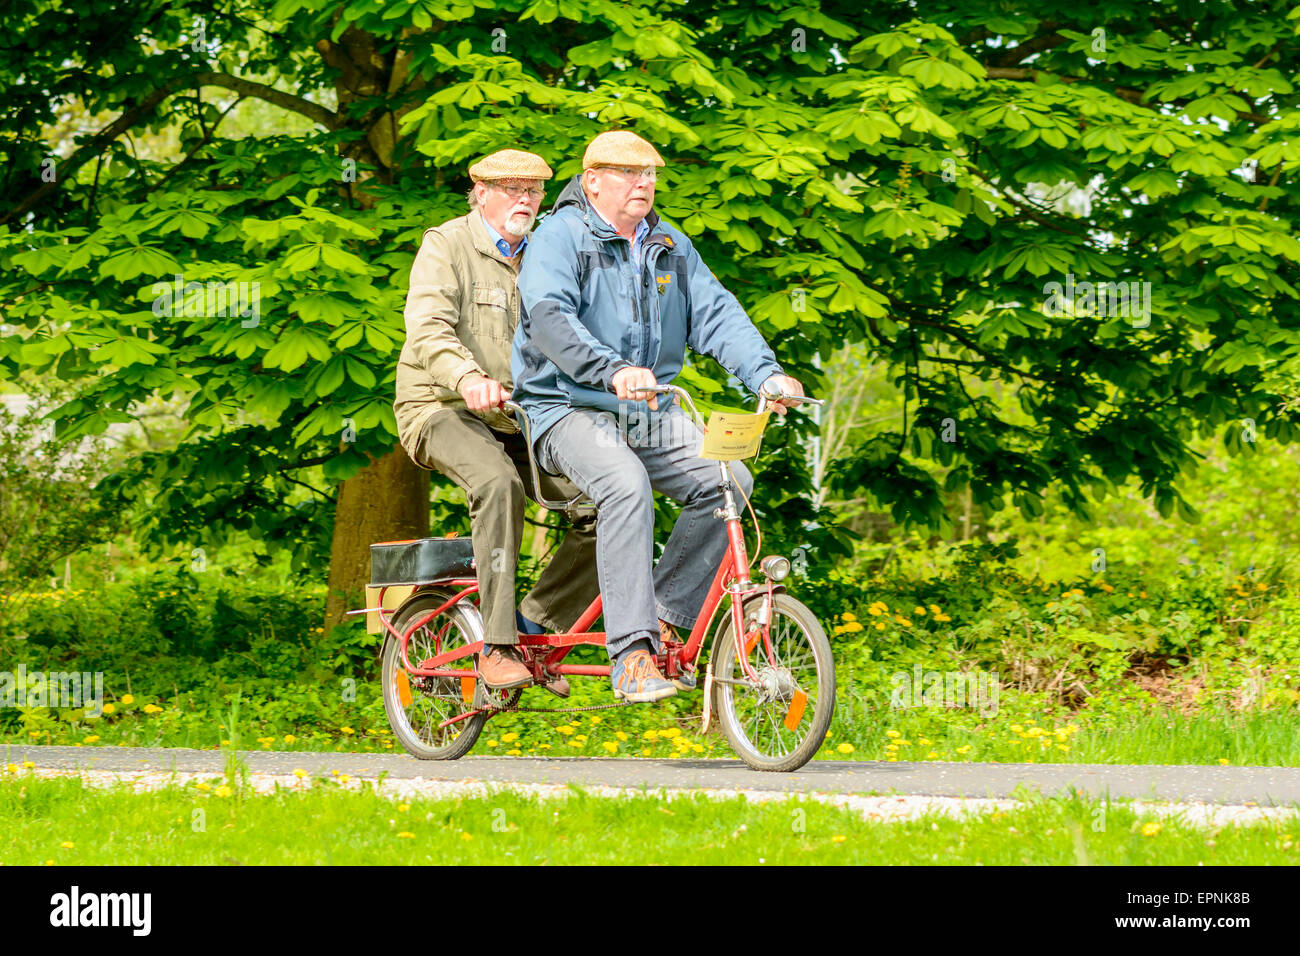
x,y
880,625
152,709
492,743
92,738
1223,761
509,738
67,845
964,749
918,611
696,748
903,621
852,627
923,741
645,751
403,807
128,699
514,753
611,746
28,765
931,755
300,774
934,609
942,617
838,838
874,611
620,735
223,791
467,836
844,748
848,616
564,729
1151,829
109,708
1016,729
12,767
892,733
670,733
406,835
595,718
347,731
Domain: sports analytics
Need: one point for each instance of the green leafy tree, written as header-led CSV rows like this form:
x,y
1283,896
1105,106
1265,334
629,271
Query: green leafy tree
x,y
882,175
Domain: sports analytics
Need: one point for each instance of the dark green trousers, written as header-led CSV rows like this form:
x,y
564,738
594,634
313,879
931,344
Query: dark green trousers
x,y
492,468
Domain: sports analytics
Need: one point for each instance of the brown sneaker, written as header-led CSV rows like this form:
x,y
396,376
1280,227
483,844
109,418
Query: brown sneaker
x,y
501,668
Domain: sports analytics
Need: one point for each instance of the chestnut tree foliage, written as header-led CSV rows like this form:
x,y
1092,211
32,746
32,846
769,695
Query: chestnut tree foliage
x,y
908,177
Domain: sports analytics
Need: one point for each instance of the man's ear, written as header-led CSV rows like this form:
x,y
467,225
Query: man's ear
x,y
590,179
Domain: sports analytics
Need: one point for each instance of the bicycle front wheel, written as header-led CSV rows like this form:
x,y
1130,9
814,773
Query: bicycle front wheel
x,y
779,722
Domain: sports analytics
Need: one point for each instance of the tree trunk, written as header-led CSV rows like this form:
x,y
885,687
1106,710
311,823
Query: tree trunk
x,y
388,500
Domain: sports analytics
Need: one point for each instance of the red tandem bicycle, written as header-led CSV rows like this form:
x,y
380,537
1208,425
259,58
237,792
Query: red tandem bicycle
x,y
770,677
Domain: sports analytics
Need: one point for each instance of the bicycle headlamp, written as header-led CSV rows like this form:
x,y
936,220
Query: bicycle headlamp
x,y
775,567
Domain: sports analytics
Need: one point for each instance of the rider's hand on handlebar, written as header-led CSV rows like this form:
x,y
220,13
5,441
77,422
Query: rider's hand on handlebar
x,y
481,393
785,385
626,380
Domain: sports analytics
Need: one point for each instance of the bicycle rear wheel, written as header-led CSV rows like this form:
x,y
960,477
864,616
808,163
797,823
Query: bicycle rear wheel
x,y
779,723
417,705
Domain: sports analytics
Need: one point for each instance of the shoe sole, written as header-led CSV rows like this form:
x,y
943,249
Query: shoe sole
x,y
681,686
645,697
522,682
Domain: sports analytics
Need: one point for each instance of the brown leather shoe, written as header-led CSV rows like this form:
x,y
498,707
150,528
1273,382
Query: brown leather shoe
x,y
559,687
502,668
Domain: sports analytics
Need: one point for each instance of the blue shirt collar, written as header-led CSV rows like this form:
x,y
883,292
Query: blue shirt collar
x,y
499,241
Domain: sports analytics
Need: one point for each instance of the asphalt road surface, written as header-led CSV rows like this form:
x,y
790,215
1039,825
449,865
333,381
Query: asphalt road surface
x,y
1265,786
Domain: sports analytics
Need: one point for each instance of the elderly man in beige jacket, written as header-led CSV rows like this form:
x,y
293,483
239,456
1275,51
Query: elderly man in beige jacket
x,y
453,374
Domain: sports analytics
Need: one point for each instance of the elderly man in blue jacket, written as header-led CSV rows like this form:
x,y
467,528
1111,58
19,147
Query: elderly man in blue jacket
x,y
611,297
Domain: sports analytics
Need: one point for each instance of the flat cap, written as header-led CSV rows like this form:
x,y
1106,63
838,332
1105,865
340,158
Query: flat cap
x,y
510,164
620,148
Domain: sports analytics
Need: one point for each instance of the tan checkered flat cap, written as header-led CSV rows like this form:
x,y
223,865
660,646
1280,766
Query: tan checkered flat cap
x,y
510,164
620,148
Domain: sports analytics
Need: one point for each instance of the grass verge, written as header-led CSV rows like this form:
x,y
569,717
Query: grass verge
x,y
63,820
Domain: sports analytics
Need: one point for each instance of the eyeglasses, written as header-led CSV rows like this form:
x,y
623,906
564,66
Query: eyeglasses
x,y
630,172
514,192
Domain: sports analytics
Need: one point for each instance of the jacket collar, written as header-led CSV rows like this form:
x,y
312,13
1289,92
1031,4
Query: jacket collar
x,y
574,195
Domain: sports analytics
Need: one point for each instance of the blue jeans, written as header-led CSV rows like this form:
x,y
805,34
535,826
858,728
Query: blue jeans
x,y
618,467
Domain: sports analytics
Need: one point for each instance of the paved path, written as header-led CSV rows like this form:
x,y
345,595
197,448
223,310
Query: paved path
x,y
1266,786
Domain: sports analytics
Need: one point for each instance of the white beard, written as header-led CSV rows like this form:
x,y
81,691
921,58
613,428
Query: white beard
x,y
518,229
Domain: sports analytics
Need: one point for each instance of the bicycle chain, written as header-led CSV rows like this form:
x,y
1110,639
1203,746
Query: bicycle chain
x,y
565,710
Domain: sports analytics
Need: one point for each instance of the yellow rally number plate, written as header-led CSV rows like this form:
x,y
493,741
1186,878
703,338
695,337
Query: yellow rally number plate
x,y
731,436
